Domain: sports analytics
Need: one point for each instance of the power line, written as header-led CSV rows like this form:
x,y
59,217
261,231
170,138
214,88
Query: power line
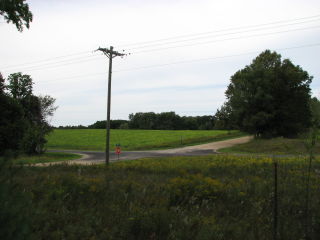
x,y
311,19
47,59
58,64
222,40
184,62
219,35
164,39
64,63
213,58
74,77
216,31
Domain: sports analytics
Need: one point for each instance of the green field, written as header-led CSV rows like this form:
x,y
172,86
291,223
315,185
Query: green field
x,y
279,146
94,139
209,197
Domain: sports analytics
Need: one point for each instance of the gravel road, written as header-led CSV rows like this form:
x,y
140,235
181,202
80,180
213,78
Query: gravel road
x,y
94,157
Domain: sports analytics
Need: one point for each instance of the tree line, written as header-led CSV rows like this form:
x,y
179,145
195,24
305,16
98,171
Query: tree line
x,y
169,121
155,121
24,116
114,124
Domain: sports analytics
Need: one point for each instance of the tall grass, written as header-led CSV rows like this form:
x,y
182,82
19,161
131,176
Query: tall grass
x,y
209,197
311,149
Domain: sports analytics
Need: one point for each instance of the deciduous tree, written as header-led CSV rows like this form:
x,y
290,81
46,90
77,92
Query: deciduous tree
x,y
24,116
270,97
20,85
17,12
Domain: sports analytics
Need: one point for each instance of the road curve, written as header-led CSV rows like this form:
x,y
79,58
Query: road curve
x,y
95,157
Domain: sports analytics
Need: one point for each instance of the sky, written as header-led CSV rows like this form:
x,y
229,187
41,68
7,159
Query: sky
x,y
182,53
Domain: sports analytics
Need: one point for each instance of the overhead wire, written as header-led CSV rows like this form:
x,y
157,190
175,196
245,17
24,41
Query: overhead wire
x,y
184,62
212,58
219,35
74,77
67,62
311,18
217,31
222,40
46,59
57,64
178,62
73,59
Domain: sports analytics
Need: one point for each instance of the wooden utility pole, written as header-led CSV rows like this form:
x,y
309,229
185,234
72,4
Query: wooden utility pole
x,y
275,200
110,54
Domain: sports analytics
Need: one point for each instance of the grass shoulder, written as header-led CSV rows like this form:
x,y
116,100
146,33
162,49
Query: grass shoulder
x,y
278,146
45,158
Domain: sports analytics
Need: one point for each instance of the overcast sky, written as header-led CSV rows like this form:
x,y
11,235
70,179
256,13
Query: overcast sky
x,y
202,44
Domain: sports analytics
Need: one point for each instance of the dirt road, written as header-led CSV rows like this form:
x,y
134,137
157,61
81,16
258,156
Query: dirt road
x,y
93,157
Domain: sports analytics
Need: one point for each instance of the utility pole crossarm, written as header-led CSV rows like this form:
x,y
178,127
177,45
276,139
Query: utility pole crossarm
x,y
110,52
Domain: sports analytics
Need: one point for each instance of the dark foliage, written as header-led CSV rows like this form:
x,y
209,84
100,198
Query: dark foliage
x,y
270,97
114,124
2,84
223,117
154,121
23,116
315,110
17,12
73,127
12,124
169,121
20,85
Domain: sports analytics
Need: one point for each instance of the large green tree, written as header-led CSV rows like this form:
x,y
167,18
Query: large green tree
x,y
17,12
24,116
270,97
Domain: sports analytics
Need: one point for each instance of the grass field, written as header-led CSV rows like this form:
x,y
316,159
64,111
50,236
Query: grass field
x,y
45,157
209,197
94,139
277,146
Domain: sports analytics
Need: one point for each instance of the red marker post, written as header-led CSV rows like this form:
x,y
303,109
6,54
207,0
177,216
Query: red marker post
x,y
118,150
